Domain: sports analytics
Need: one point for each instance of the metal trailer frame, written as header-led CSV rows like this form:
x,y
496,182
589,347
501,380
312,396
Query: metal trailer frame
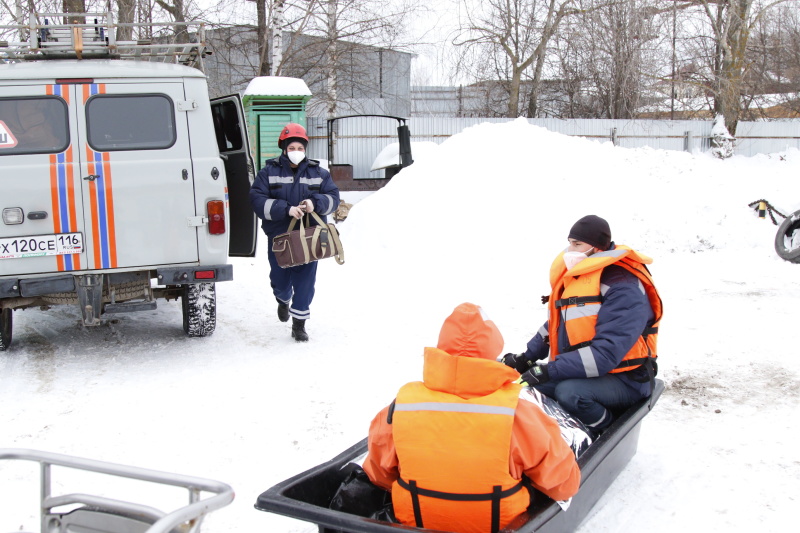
x,y
106,515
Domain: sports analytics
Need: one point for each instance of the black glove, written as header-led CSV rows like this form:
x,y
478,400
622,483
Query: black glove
x,y
535,376
517,361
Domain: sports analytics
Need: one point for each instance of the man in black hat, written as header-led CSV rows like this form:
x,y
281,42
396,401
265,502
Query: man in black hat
x,y
601,334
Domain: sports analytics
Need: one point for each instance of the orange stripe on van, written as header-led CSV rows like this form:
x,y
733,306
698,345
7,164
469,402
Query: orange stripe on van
x,y
73,214
54,201
95,215
112,240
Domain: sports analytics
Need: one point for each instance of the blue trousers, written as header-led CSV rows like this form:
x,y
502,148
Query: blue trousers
x,y
592,400
293,285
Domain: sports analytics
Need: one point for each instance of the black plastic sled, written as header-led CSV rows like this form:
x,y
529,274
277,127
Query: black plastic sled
x,y
307,496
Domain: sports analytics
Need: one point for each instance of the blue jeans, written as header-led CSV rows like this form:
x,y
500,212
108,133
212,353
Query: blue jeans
x,y
293,285
592,400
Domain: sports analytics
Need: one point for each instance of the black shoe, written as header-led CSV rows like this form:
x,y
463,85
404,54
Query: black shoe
x,y
299,330
283,312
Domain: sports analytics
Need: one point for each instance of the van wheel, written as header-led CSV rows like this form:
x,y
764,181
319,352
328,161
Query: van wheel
x,y
787,240
199,309
5,329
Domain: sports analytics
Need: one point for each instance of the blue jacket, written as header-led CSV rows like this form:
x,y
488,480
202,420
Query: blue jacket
x,y
276,189
622,319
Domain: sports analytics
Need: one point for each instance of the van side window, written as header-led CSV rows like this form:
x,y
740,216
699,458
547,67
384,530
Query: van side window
x,y
36,125
227,127
130,122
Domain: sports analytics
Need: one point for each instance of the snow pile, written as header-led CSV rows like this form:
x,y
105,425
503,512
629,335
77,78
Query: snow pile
x,y
466,222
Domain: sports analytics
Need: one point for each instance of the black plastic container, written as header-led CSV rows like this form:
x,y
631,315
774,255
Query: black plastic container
x,y
307,496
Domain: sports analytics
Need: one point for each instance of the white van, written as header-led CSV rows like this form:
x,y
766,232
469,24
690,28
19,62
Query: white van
x,y
120,181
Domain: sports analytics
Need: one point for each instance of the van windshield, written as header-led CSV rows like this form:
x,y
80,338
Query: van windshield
x,y
36,125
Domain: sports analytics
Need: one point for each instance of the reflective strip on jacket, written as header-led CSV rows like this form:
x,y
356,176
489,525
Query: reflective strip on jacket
x,y
476,433
577,298
277,188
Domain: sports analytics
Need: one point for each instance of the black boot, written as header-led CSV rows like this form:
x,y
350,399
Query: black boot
x,y
283,311
299,330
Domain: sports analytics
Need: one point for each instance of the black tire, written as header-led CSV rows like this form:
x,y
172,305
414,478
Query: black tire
x,y
199,302
5,329
789,231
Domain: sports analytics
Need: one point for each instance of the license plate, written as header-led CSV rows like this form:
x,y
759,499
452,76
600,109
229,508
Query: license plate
x,y
40,245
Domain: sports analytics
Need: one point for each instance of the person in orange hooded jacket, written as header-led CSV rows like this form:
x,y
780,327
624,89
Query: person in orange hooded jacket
x,y
453,448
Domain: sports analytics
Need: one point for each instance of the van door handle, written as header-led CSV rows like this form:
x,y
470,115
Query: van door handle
x,y
92,177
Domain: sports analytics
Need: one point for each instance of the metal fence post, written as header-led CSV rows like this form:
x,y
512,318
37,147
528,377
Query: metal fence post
x,y
614,136
687,141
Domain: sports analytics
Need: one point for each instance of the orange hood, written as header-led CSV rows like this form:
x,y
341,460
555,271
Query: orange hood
x,y
466,377
468,333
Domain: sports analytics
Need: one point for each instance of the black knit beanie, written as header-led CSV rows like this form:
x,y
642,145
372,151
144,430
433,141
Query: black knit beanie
x,y
291,140
593,230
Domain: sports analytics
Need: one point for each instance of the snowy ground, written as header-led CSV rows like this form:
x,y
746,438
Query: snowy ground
x,y
467,222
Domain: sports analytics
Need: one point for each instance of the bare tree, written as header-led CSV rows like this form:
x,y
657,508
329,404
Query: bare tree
x,y
75,6
261,30
344,23
619,49
774,75
126,14
278,21
732,22
515,35
177,10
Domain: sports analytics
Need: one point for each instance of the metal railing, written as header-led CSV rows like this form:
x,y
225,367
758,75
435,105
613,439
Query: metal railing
x,y
190,516
97,39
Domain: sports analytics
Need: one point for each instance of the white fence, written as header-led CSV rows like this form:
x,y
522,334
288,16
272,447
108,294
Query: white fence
x,y
358,140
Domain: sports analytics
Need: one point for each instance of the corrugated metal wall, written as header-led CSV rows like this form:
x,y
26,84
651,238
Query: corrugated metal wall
x,y
360,139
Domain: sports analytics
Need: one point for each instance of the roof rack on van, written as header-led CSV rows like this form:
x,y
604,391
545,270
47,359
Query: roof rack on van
x,y
96,38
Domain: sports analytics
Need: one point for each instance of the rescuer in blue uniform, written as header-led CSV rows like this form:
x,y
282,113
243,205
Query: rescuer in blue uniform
x,y
288,187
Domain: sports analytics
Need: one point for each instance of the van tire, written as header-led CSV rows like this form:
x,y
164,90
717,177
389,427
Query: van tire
x,y
199,302
789,230
5,329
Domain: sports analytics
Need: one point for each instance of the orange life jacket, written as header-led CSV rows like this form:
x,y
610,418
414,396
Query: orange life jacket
x,y
469,488
576,295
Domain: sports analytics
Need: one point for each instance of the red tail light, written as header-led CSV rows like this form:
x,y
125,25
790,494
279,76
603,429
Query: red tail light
x,y
216,217
205,274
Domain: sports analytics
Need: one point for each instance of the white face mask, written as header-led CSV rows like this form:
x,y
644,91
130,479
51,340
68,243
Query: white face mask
x,y
296,156
573,258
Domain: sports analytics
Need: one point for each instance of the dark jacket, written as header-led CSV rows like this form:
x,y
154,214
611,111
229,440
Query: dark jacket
x,y
624,315
277,188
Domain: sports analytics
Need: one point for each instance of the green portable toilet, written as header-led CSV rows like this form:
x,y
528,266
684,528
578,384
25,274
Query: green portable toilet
x,y
271,102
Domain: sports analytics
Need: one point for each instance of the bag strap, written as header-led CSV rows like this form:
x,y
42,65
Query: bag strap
x,y
317,232
334,234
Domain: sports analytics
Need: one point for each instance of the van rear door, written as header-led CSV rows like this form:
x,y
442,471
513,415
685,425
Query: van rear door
x,y
136,174
42,228
231,132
